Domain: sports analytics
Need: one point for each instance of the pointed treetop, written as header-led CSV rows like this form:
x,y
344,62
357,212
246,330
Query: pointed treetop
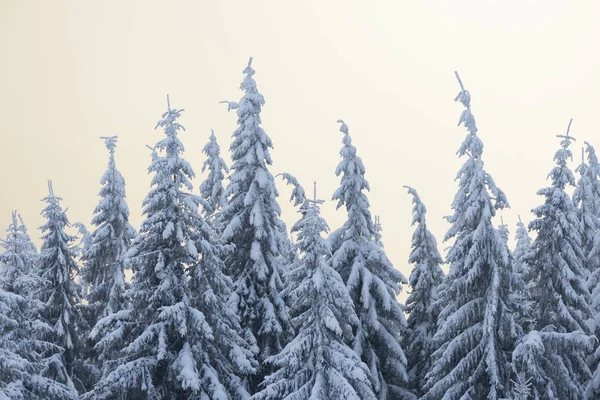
x,y
14,218
212,136
520,219
343,127
168,103
314,201
466,117
249,70
110,142
50,189
566,137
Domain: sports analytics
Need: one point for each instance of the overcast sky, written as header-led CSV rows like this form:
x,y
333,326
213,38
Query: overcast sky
x,y
73,71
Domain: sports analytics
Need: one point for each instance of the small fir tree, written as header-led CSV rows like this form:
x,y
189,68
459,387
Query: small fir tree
x,y
59,292
421,305
371,279
22,333
18,261
169,348
211,189
317,363
558,290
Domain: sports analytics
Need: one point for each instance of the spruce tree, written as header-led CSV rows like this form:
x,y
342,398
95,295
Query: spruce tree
x,y
211,189
22,332
59,292
104,261
371,279
473,336
522,249
252,224
593,204
553,352
586,199
421,305
18,261
317,363
168,346
104,257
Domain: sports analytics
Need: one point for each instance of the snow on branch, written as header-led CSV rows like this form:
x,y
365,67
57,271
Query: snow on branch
x,y
298,194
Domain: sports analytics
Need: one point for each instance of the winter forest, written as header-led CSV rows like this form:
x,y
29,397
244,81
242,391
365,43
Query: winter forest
x,y
214,297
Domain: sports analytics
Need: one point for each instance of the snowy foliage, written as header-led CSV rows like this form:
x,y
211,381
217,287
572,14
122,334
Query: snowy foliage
x,y
472,340
558,289
371,279
24,367
251,221
586,199
522,250
211,189
104,254
104,261
18,261
317,363
58,291
169,348
22,333
421,305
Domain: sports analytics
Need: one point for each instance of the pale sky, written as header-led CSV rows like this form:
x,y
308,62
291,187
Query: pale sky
x,y
73,71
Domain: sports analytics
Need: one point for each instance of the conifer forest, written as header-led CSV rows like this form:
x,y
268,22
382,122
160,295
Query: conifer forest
x,y
310,200
214,297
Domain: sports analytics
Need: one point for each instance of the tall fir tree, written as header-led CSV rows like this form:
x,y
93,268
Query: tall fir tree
x,y
553,352
371,279
421,305
252,224
211,189
167,343
104,257
317,363
473,336
59,292
22,332
104,261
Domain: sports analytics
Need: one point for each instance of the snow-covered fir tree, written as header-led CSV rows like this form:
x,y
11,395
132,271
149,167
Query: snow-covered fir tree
x,y
371,279
586,199
18,260
22,333
421,305
59,292
473,336
553,353
170,349
211,189
251,222
104,251
522,249
22,345
317,363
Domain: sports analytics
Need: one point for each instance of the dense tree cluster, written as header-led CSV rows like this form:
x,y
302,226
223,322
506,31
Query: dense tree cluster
x,y
213,297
